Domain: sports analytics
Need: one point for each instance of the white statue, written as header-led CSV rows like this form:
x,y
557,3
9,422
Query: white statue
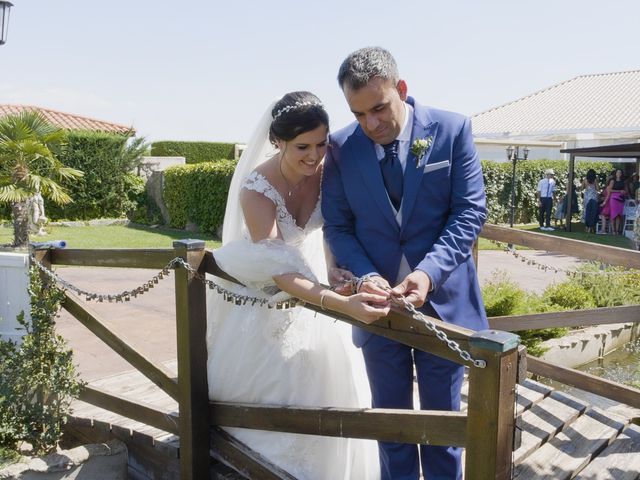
x,y
37,218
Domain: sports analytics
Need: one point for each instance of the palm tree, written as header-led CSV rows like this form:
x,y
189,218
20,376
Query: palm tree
x,y
29,147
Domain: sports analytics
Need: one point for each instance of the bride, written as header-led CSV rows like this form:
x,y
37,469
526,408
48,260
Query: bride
x,y
272,243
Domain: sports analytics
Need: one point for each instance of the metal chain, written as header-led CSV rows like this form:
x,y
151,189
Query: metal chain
x,y
236,298
442,336
126,295
509,248
123,296
401,301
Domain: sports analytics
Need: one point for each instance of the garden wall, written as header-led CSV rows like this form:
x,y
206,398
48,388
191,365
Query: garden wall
x,y
588,344
14,292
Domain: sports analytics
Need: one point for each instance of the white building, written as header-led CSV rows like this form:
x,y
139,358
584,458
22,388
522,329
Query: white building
x,y
586,111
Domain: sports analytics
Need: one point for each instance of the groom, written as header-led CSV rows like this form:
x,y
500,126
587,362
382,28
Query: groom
x,y
403,200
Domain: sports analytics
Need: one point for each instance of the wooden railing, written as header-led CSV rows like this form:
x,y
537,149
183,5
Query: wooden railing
x,y
577,318
486,430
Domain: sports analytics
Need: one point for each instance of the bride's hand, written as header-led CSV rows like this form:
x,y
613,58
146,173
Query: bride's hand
x,y
367,307
340,280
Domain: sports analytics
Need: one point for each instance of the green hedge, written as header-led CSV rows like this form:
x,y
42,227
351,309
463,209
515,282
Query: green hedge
x,y
198,193
497,180
194,152
108,188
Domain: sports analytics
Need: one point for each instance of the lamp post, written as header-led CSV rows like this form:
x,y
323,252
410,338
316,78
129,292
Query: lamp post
x,y
513,154
4,20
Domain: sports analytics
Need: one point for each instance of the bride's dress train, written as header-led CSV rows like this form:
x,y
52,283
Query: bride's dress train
x,y
286,357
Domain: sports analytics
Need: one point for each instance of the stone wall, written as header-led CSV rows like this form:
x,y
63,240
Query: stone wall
x,y
588,344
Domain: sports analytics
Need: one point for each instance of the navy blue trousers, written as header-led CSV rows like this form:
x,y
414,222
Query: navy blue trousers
x,y
544,213
390,370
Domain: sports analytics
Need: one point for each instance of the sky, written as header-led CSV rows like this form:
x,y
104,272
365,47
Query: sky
x,y
206,70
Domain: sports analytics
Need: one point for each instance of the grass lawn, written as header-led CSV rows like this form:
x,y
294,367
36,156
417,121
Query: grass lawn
x,y
115,236
484,244
577,233
120,236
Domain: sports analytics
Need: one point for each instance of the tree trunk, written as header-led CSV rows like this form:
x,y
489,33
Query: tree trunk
x,y
20,224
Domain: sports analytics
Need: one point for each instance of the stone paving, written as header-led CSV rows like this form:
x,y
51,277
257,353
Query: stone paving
x,y
148,322
528,277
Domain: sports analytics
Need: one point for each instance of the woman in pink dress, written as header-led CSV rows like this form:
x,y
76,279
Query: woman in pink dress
x,y
613,205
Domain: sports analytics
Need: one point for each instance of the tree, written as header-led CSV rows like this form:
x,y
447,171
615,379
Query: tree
x,y
29,147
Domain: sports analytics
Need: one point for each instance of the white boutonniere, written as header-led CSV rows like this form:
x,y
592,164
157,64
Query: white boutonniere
x,y
420,146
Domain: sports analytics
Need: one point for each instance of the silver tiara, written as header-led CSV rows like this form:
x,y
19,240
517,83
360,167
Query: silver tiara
x,y
297,105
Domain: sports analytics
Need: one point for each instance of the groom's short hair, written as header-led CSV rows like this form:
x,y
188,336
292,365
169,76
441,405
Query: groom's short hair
x,y
361,66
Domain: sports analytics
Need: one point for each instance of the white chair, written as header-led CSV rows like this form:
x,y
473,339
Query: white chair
x,y
629,214
604,225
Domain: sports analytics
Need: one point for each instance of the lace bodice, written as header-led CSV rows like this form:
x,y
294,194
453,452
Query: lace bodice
x,y
292,234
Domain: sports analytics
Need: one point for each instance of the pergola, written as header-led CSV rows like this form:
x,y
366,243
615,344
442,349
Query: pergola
x,y
625,150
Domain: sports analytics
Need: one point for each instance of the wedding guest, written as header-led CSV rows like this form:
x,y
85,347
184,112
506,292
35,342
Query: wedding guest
x,y
590,201
545,194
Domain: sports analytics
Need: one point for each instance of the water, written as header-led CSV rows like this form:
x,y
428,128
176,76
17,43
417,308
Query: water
x,y
622,365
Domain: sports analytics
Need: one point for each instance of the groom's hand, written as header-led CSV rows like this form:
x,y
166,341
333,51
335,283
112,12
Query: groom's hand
x,y
414,287
376,285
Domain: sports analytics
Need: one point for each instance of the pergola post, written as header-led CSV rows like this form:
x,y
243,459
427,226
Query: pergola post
x,y
638,176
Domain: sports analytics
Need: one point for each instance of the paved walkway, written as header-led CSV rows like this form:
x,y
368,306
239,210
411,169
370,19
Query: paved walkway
x,y
528,277
148,322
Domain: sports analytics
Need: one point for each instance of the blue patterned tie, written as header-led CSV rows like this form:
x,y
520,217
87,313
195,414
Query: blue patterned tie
x,y
392,173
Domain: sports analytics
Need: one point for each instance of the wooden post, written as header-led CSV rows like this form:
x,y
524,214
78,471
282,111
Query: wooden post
x,y
491,407
191,318
637,192
43,255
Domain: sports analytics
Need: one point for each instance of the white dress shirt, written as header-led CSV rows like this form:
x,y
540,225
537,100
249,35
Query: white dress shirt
x,y
546,187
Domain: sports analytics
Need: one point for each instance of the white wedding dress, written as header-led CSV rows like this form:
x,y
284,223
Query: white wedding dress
x,y
286,357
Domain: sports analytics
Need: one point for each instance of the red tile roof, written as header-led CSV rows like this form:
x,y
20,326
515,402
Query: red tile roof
x,y
68,121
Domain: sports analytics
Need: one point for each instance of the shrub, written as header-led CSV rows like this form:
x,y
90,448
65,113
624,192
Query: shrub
x,y
37,377
616,289
501,295
534,303
194,152
146,211
569,295
533,339
198,193
108,182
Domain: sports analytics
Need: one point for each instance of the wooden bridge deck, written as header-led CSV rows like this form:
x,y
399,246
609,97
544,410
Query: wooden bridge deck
x,y
562,437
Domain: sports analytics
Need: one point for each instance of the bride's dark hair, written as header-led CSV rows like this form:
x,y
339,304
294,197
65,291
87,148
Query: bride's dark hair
x,y
296,113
